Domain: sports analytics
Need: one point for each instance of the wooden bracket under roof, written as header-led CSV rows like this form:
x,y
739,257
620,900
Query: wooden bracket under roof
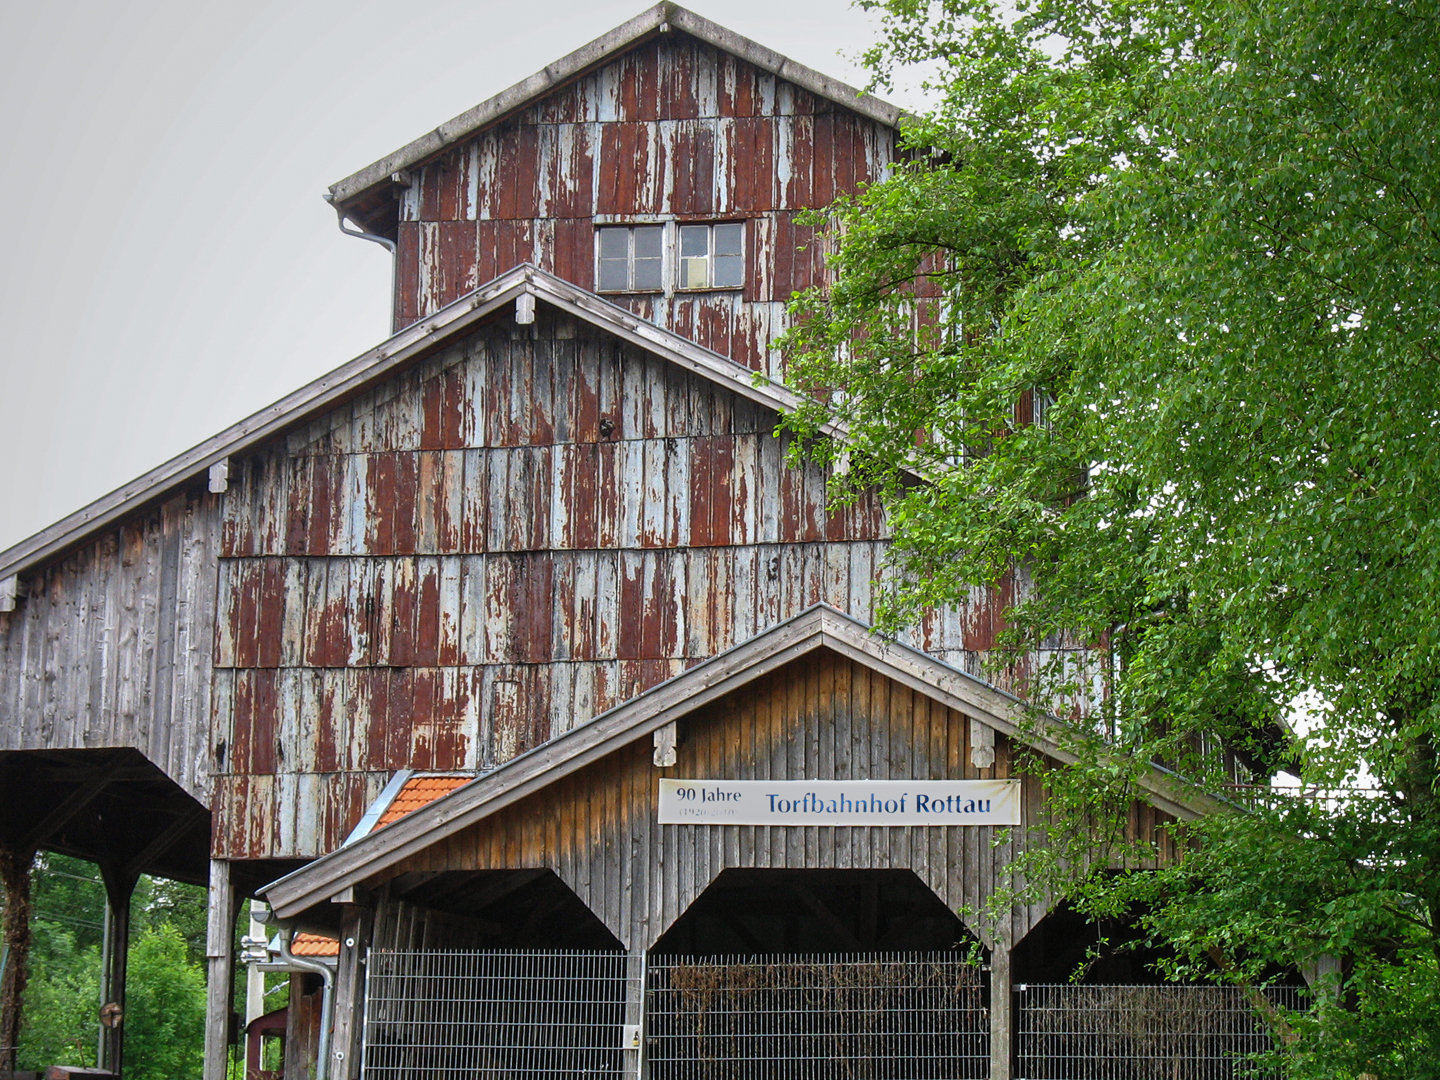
x,y
12,591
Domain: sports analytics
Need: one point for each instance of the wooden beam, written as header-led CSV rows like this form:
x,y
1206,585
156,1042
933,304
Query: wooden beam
x,y
12,591
164,840
356,926
1002,1009
15,877
665,741
219,970
115,962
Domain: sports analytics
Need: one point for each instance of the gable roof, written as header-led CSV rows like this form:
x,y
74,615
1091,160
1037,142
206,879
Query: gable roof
x,y
817,627
388,358
357,194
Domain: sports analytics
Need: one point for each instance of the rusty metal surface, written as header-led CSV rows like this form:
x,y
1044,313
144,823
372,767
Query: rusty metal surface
x,y
675,127
525,529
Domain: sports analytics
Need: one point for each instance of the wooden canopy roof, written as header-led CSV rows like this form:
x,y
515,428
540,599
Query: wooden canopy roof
x,y
819,627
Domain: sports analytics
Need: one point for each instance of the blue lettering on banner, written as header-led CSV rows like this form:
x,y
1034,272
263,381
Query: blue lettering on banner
x,y
841,803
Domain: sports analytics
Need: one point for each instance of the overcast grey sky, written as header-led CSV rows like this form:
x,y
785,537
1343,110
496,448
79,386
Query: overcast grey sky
x,y
169,266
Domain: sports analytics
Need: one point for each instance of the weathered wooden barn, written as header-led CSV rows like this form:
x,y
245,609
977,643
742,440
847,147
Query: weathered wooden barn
x,y
543,539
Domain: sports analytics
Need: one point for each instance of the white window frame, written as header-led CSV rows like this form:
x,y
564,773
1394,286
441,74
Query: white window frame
x,y
671,264
678,262
629,227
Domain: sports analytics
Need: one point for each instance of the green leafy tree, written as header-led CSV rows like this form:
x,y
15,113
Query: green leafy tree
x,y
60,1001
165,1013
1153,309
165,989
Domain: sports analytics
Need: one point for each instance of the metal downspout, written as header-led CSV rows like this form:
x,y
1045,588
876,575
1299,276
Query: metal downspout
x,y
327,998
383,241
374,238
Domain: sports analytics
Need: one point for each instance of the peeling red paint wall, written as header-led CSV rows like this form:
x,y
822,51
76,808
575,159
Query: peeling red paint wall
x,y
676,129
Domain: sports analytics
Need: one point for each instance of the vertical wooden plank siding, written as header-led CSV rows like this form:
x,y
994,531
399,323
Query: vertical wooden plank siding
x,y
530,526
113,646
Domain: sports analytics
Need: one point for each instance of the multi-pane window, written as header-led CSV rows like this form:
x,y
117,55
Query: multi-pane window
x,y
665,258
711,256
631,258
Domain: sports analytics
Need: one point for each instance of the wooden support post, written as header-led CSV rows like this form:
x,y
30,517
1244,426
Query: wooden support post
x,y
1002,1010
219,970
632,1037
349,1004
114,965
15,876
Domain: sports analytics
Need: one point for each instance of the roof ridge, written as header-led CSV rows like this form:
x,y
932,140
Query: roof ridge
x,y
656,20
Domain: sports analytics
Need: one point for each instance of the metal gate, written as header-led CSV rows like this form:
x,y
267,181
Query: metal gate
x,y
1141,1032
861,1016
494,1014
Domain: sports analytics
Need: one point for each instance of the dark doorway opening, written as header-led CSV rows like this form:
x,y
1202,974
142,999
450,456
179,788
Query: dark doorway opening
x,y
508,909
809,911
1065,944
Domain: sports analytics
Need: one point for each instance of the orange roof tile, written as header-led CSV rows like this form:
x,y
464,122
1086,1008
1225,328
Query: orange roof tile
x,y
419,791
314,945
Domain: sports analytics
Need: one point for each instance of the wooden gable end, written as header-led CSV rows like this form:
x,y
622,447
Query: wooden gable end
x,y
674,128
528,528
823,716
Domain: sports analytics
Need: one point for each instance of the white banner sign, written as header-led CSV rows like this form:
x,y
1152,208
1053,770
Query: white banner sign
x,y
840,802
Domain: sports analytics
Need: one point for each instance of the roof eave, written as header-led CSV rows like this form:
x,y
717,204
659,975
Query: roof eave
x,y
357,375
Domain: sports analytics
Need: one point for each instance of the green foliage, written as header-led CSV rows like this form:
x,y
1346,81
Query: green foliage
x,y
60,1001
165,1017
165,985
1205,238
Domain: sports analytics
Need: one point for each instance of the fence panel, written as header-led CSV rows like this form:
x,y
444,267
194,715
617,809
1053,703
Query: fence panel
x,y
512,1014
1142,1032
865,1016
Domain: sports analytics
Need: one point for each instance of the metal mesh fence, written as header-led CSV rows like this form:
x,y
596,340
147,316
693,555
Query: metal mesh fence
x,y
494,1014
1142,1032
867,1016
